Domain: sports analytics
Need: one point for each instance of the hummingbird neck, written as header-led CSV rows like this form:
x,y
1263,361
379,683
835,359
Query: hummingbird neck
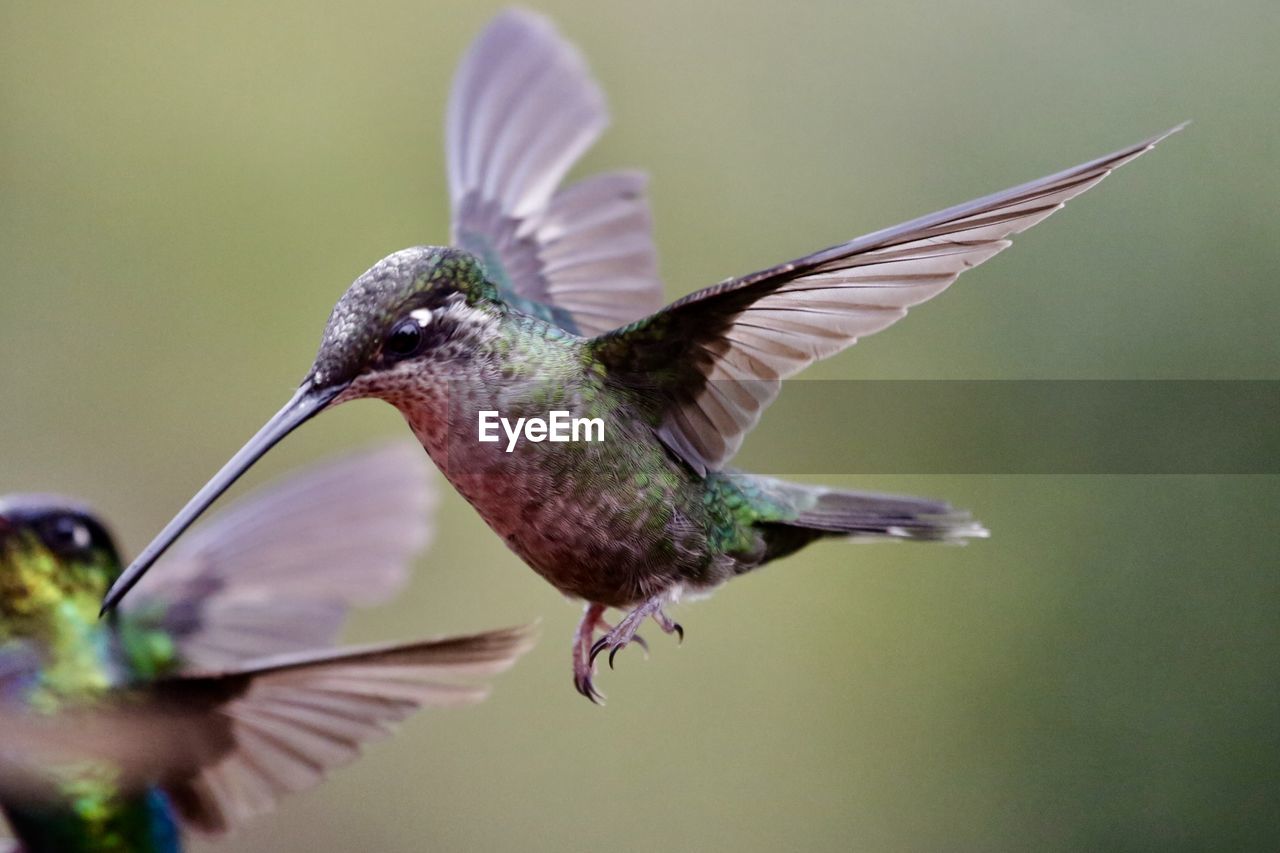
x,y
77,654
51,606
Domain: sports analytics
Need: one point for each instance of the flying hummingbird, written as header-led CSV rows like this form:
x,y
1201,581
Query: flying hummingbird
x,y
213,692
549,299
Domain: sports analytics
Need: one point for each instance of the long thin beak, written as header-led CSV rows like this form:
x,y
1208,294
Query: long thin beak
x,y
306,404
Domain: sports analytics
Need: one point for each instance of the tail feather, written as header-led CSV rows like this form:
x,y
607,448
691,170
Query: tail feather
x,y
791,515
866,515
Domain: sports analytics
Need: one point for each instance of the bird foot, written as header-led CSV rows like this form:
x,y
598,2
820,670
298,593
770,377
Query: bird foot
x,y
615,639
583,666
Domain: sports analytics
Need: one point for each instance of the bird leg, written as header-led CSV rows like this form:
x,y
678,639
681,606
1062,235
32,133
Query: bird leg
x,y
625,633
585,651
583,663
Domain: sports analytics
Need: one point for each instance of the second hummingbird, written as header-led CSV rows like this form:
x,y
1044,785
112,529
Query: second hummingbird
x,y
217,689
548,300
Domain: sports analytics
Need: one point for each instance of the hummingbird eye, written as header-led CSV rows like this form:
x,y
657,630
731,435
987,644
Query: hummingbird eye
x,y
407,336
66,535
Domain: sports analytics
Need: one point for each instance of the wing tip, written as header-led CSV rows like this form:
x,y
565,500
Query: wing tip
x,y
1153,141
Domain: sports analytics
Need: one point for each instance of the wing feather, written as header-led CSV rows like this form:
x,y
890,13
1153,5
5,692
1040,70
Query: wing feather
x,y
522,110
279,570
227,745
294,718
710,346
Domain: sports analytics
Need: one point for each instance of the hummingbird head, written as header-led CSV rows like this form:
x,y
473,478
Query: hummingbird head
x,y
411,313
53,552
403,325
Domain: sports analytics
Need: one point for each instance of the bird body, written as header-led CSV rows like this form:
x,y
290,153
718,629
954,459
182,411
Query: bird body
x,y
615,521
549,299
202,702
84,659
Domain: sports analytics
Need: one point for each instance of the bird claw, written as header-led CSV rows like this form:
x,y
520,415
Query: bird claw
x,y
604,642
669,625
638,640
583,684
596,648
584,667
615,640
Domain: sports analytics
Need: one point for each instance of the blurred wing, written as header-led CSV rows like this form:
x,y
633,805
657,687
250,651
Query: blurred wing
x,y
39,750
19,663
278,571
522,110
227,746
716,356
293,720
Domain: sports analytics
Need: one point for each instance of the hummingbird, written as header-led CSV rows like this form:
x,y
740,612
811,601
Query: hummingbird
x,y
215,692
549,299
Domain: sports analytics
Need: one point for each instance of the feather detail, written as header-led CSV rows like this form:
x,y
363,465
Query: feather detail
x,y
296,717
279,570
227,745
522,110
721,352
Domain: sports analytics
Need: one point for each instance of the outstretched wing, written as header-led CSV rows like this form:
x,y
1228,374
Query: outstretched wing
x,y
226,746
292,720
522,110
278,571
715,357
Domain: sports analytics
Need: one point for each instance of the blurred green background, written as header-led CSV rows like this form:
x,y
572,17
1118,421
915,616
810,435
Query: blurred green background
x,y
186,188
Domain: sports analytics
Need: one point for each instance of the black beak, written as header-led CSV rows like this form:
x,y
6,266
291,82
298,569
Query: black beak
x,y
306,404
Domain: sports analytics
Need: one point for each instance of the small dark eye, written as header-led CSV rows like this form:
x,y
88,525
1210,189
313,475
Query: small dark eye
x,y
66,534
407,336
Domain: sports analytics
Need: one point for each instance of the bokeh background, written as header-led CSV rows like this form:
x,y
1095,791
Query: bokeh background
x,y
186,188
